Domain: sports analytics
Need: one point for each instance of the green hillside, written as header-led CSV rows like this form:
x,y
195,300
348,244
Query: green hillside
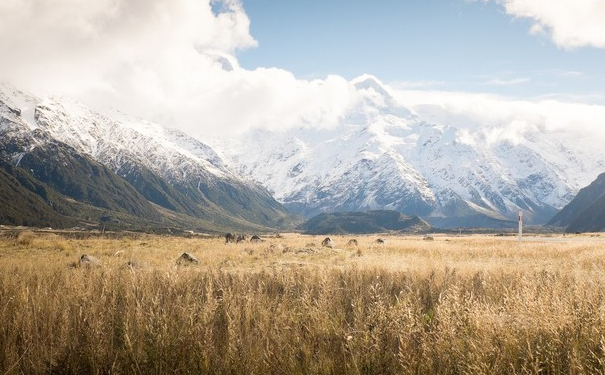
x,y
378,221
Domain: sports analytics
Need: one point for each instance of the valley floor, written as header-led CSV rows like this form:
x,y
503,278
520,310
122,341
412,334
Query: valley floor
x,y
455,304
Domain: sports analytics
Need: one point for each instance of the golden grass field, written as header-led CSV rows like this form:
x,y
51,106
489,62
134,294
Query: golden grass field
x,y
456,305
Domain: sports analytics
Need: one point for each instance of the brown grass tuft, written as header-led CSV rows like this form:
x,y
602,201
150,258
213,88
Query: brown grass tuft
x,y
25,238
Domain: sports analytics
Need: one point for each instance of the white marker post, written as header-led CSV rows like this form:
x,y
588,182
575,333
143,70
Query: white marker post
x,y
520,226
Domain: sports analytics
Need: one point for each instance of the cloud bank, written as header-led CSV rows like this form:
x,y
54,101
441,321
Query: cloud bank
x,y
173,62
569,24
170,61
496,118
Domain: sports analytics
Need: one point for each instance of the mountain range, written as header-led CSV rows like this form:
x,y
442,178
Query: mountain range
x,y
123,170
64,164
382,155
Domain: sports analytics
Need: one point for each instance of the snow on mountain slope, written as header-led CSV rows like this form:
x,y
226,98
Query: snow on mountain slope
x,y
308,175
168,152
19,104
382,156
166,166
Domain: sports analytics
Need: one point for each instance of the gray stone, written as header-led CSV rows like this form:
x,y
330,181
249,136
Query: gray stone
x,y
187,258
89,261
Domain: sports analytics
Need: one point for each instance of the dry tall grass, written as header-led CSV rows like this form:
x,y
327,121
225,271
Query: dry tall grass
x,y
475,305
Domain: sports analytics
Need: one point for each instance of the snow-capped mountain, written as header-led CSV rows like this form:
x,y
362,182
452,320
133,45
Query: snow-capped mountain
x,y
380,155
383,156
165,166
40,165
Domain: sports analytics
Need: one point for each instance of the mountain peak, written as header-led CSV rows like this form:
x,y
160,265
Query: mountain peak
x,y
369,82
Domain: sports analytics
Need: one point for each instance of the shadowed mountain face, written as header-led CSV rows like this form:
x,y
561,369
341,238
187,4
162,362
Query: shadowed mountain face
x,y
143,170
26,201
586,212
79,177
379,221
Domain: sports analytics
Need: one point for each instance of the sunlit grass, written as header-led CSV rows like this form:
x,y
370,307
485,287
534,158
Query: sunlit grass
x,y
455,305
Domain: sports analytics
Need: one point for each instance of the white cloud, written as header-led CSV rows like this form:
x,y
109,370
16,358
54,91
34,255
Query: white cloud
x,y
425,84
572,74
568,23
497,117
507,82
95,36
172,61
166,60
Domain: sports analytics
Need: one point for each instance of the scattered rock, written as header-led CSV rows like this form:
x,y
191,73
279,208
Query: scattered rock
x,y
380,241
89,261
15,111
187,258
255,239
352,242
327,242
428,238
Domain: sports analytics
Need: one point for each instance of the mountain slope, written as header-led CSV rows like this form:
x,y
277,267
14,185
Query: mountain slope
x,y
26,201
382,156
379,221
65,170
166,166
129,166
586,212
22,199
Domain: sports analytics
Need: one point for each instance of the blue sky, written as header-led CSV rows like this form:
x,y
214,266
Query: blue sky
x,y
439,44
